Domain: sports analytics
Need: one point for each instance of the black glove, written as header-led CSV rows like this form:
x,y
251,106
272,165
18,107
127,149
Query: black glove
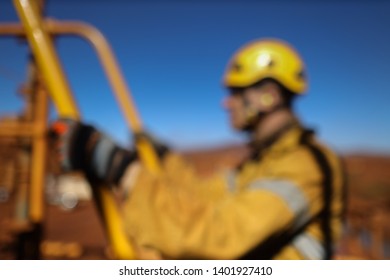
x,y
82,147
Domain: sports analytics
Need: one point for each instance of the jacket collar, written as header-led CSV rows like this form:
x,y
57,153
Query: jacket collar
x,y
287,137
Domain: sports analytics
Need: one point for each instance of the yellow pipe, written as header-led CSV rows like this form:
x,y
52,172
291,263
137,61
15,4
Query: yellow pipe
x,y
48,63
115,77
47,60
11,29
122,247
110,66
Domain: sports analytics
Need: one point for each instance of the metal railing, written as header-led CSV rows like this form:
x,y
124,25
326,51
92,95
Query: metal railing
x,y
39,33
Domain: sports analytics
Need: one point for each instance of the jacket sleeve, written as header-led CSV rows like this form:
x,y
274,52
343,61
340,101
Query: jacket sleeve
x,y
183,216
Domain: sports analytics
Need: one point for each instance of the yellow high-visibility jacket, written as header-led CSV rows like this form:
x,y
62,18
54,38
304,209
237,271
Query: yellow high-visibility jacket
x,y
285,203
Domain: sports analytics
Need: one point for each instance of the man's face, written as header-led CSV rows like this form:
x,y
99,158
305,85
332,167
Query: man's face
x,y
235,104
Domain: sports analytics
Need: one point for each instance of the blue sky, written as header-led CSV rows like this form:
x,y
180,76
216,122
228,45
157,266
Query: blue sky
x,y
173,55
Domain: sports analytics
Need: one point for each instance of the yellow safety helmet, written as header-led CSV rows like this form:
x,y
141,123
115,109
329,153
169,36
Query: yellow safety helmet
x,y
267,58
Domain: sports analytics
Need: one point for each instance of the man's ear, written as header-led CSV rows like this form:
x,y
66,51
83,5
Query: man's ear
x,y
264,99
269,99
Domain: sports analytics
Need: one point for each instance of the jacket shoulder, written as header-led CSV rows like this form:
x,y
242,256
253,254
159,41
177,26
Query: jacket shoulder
x,y
307,160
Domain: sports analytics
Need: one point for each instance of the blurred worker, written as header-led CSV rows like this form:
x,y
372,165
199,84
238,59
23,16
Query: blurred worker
x,y
283,202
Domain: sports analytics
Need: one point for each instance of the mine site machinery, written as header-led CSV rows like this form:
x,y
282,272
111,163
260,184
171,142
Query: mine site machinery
x,y
49,83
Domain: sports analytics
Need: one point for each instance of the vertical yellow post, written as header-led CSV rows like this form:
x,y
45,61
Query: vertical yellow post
x,y
38,162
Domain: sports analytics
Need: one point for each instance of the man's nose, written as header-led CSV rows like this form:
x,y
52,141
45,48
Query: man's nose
x,y
227,103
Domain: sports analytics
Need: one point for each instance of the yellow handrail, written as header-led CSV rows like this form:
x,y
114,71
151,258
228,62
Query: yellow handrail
x,y
115,77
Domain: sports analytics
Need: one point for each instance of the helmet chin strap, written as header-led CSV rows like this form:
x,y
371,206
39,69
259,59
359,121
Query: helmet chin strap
x,y
253,115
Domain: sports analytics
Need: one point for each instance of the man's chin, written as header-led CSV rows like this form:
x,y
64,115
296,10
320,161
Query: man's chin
x,y
242,127
239,126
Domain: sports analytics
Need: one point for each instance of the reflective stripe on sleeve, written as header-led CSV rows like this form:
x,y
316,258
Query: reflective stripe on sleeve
x,y
290,194
100,157
309,247
230,177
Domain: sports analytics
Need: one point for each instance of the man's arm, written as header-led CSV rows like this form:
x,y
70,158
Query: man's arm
x,y
184,216
82,147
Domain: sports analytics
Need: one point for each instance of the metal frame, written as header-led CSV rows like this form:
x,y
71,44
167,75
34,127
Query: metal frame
x,y
39,35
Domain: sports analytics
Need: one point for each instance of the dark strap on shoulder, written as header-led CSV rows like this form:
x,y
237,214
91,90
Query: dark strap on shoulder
x,y
327,177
